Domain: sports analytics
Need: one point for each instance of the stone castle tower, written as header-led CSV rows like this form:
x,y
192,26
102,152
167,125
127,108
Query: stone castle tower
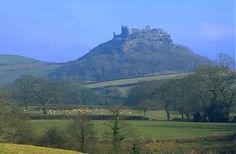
x,y
125,32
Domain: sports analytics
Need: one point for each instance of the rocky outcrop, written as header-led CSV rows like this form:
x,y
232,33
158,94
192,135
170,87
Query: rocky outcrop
x,y
152,35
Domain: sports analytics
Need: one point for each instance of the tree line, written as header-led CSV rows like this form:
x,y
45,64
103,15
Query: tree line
x,y
207,94
29,90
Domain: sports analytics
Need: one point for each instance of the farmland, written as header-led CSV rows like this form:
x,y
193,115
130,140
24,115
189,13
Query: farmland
x,y
157,127
151,129
150,133
135,80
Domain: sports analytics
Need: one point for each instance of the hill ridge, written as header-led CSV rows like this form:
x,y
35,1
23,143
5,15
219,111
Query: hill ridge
x,y
10,59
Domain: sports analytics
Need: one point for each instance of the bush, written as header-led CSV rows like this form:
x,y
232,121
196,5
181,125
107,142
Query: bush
x,y
52,137
13,126
197,117
217,113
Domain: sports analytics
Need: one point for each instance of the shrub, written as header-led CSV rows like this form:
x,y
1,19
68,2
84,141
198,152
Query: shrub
x,y
13,126
52,137
197,117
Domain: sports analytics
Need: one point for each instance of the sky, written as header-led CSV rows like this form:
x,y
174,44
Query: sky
x,y
63,30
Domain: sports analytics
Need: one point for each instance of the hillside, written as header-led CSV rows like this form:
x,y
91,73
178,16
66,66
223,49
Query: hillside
x,y
135,52
29,149
15,59
12,67
132,81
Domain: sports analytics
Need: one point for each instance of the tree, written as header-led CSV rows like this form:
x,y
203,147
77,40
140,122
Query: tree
x,y
187,102
81,132
224,60
216,90
142,93
145,106
22,89
14,128
45,92
117,136
52,137
167,94
113,95
76,93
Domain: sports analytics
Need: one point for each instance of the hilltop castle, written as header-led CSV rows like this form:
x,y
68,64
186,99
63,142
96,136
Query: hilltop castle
x,y
125,32
147,33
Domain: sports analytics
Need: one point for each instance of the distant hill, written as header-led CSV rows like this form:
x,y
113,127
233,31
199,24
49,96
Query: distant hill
x,y
14,59
135,52
12,67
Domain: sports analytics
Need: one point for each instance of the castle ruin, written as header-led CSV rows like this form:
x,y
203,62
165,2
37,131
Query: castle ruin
x,y
125,31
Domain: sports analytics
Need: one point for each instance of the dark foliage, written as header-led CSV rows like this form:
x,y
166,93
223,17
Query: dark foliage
x,y
208,94
92,117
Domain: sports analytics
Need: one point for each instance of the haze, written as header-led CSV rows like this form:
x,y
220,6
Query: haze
x,y
63,30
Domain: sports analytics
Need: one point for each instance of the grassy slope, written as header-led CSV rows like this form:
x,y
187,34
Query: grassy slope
x,y
28,149
13,66
131,81
14,59
11,72
152,129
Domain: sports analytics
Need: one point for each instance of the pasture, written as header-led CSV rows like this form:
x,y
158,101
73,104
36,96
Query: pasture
x,y
135,80
151,114
150,129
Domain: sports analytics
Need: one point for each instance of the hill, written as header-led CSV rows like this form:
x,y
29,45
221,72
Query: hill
x,y
15,59
29,149
12,67
135,52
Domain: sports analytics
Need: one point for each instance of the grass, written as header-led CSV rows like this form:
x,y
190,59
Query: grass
x,y
151,129
29,149
132,81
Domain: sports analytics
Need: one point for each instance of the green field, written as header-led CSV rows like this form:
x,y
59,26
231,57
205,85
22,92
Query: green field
x,y
135,80
151,129
29,149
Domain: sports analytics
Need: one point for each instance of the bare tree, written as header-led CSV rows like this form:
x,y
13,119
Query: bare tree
x,y
168,96
81,132
224,60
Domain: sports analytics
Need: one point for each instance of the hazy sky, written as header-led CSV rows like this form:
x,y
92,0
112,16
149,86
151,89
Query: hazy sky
x,y
61,30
